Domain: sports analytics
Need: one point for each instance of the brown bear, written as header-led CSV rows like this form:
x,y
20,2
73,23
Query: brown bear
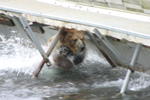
x,y
71,48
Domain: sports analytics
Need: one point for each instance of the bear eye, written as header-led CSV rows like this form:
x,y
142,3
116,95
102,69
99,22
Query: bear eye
x,y
75,40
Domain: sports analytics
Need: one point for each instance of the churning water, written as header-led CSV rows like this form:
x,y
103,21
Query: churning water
x,y
92,80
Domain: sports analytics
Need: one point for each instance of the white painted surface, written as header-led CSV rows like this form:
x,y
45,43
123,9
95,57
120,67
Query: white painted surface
x,y
119,24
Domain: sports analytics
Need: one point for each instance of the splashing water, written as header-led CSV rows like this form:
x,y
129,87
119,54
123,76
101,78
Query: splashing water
x,y
16,56
22,57
143,81
19,55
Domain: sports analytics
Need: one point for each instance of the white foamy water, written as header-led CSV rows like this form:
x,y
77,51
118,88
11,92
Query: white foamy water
x,y
15,56
135,84
140,83
115,83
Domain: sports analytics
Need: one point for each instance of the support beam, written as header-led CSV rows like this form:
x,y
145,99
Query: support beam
x,y
111,54
108,45
52,46
102,48
33,38
132,63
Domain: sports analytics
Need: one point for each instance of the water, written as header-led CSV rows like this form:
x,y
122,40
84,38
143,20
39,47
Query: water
x,y
92,80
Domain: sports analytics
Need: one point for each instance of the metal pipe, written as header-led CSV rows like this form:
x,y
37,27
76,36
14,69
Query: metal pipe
x,y
102,48
132,63
70,20
48,53
32,36
108,45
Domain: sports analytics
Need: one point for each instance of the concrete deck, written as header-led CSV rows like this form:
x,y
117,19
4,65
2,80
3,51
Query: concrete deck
x,y
115,23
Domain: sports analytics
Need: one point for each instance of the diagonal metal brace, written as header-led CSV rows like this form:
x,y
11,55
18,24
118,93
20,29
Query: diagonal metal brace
x,y
105,42
48,53
33,38
104,47
110,53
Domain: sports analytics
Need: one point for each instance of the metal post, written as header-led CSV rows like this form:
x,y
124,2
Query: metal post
x,y
111,54
132,63
108,44
101,48
48,53
32,36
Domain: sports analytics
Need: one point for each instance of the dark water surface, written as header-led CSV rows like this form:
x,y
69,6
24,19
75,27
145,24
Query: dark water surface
x,y
93,80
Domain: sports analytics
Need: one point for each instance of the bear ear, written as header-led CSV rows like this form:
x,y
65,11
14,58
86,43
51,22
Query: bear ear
x,y
63,33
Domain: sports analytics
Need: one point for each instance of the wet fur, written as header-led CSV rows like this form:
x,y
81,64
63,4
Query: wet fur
x,y
74,41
